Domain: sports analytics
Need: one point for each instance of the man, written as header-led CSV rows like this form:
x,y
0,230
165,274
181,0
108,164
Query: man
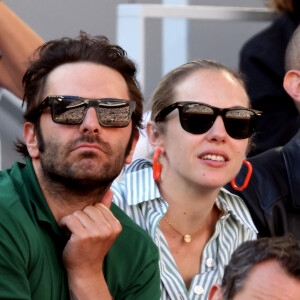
x,y
262,61
272,195
58,240
265,269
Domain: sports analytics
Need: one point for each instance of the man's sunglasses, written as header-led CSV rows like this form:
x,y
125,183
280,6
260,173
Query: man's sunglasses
x,y
71,110
196,118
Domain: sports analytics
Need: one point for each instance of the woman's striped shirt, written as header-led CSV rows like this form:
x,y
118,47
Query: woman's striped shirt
x,y
139,197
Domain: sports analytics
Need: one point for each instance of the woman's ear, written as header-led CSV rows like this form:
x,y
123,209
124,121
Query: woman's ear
x,y
154,136
291,84
30,139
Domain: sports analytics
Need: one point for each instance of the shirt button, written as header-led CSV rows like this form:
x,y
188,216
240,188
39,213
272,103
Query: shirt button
x,y
210,262
198,290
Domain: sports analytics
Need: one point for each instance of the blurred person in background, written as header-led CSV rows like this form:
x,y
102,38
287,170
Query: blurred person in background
x,y
262,60
272,195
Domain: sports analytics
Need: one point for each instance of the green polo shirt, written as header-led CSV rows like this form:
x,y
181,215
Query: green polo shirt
x,y
31,245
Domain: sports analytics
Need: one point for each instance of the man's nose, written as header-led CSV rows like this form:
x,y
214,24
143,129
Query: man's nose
x,y
90,123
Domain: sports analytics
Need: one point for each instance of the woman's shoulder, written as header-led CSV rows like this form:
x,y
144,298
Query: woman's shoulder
x,y
138,164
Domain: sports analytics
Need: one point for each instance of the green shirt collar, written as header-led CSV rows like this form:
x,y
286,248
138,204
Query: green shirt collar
x,y
31,195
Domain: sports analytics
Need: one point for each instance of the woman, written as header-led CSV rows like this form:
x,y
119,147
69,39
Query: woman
x,y
194,222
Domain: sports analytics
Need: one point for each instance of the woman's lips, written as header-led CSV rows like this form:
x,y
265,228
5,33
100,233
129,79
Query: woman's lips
x,y
213,157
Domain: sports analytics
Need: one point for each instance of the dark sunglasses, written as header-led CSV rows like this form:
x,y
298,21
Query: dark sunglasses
x,y
71,110
197,118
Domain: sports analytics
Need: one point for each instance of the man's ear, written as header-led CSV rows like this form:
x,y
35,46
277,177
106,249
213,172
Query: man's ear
x,y
30,139
134,142
215,293
154,136
291,84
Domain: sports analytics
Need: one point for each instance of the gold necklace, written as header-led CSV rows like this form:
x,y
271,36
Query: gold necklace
x,y
186,237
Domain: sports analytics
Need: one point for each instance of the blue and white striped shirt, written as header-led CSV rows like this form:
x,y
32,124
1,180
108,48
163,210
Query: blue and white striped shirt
x,y
139,197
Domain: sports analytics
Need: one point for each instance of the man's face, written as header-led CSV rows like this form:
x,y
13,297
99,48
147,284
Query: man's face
x,y
266,281
269,281
87,155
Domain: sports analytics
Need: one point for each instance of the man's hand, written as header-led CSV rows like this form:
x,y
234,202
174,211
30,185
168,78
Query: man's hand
x,y
93,232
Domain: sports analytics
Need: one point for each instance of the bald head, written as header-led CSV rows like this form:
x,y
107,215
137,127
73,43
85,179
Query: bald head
x,y
292,54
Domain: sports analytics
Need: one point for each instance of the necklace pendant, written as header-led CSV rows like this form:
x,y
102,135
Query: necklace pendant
x,y
187,238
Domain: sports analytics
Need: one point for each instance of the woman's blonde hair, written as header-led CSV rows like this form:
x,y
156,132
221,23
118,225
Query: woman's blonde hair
x,y
165,93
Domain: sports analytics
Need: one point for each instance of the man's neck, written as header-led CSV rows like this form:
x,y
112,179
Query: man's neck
x,y
64,200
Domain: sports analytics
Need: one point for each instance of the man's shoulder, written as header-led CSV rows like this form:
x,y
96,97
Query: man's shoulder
x,y
278,31
264,158
132,254
131,264
15,206
130,230
8,193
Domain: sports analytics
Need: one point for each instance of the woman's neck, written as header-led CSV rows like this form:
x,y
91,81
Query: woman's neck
x,y
189,205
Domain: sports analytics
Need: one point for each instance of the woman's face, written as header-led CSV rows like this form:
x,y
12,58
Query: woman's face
x,y
213,158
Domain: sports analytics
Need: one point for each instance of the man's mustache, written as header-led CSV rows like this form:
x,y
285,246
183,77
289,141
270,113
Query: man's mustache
x,y
91,139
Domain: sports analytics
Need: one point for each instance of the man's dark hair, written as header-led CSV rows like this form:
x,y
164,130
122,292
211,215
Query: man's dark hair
x,y
285,250
85,48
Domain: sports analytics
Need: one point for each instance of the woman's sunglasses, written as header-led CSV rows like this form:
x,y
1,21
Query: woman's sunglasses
x,y
71,110
197,118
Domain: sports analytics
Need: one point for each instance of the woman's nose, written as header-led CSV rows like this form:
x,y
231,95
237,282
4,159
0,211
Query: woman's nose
x,y
218,131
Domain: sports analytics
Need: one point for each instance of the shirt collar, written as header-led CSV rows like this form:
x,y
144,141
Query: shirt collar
x,y
135,179
141,187
30,190
235,206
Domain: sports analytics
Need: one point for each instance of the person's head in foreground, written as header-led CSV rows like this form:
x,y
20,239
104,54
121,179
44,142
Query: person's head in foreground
x,y
265,269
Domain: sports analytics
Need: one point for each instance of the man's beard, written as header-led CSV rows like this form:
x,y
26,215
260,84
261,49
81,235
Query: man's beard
x,y
83,175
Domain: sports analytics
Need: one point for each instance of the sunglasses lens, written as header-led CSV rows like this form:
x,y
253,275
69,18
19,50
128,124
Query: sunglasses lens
x,y
68,111
114,113
110,113
197,118
240,123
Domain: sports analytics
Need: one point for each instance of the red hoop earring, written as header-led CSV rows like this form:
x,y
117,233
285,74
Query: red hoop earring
x,y
247,178
156,165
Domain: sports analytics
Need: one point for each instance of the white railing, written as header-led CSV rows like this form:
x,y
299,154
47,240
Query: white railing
x,y
131,31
